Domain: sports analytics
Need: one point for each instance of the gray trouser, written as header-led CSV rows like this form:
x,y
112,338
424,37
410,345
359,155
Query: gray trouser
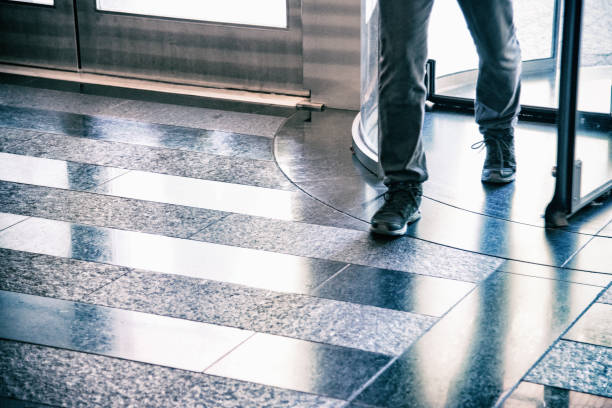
x,y
403,53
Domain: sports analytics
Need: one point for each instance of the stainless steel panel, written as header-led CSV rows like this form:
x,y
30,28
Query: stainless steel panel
x,y
331,51
38,35
256,58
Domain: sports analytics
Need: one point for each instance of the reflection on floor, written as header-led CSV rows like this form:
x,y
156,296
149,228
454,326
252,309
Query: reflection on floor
x,y
154,254
504,221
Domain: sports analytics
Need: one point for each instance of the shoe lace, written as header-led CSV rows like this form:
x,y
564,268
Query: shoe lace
x,y
497,145
398,194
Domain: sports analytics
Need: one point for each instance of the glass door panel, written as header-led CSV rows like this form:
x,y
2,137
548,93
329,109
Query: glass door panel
x,y
39,33
146,40
452,47
593,149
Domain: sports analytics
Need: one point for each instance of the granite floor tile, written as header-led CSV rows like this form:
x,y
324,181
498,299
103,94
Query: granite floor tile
x,y
476,353
228,197
315,135
350,246
298,365
261,269
606,297
212,119
312,211
208,194
50,276
236,170
13,403
8,220
492,236
395,290
292,315
10,138
530,395
454,227
234,394
307,149
160,160
105,211
594,327
140,133
352,194
36,98
576,366
595,256
69,378
152,112
113,332
54,173
564,274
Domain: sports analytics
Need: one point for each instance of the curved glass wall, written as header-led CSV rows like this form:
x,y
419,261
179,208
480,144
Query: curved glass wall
x,y
593,147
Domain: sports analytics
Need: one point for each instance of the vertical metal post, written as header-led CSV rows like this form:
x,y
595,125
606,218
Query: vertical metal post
x,y
555,32
561,205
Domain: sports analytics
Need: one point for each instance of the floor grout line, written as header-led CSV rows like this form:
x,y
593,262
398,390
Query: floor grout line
x,y
119,119
228,353
85,296
503,397
90,189
439,319
572,256
27,217
25,140
345,267
208,225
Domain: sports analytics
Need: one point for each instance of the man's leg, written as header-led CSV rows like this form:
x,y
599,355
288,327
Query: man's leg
x,y
402,57
498,87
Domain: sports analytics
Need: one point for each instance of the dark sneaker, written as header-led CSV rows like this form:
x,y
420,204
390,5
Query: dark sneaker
x,y
401,208
500,164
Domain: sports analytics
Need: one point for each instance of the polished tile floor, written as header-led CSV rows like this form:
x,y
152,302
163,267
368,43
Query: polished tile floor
x,y
158,251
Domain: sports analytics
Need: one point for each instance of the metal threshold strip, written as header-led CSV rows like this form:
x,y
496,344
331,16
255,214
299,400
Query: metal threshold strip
x,y
261,98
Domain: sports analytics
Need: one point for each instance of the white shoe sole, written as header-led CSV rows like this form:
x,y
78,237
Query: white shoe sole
x,y
496,178
383,230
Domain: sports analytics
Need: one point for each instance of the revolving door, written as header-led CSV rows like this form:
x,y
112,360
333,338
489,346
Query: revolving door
x,y
567,80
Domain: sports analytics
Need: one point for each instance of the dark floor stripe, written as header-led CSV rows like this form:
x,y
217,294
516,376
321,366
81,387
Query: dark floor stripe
x,y
114,332
146,158
68,378
147,134
105,211
261,269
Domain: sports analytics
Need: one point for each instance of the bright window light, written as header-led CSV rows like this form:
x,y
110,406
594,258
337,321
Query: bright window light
x,y
45,2
266,13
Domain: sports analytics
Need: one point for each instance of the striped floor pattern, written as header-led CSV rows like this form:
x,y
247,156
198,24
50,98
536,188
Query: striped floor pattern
x,y
155,255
